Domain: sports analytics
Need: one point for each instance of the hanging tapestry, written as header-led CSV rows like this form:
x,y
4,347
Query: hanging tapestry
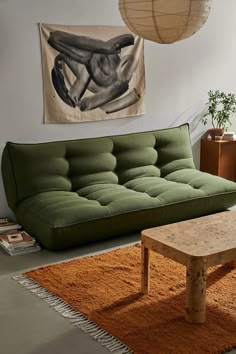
x,y
91,73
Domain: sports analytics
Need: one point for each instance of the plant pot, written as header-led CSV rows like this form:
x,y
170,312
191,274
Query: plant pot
x,y
214,132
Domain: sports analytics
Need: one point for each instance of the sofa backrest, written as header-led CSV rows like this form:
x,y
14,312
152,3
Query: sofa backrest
x,y
29,169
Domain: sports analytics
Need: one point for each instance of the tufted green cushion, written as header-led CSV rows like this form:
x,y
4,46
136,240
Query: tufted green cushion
x,y
136,157
36,168
73,192
91,162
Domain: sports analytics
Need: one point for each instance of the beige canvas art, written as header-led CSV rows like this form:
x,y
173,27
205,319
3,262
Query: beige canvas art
x,y
91,73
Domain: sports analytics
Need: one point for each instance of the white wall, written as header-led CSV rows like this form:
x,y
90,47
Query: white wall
x,y
178,76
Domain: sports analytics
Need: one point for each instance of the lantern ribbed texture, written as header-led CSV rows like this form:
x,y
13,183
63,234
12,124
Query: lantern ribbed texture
x,y
164,21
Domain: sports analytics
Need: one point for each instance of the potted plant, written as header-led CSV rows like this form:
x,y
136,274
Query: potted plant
x,y
220,107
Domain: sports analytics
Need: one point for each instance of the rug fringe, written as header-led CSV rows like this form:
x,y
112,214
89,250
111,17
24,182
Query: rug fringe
x,y
113,344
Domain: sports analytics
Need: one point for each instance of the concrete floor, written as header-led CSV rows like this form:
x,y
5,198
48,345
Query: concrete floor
x,y
30,326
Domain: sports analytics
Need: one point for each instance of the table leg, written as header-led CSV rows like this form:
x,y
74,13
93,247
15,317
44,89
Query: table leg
x,y
230,264
196,290
145,277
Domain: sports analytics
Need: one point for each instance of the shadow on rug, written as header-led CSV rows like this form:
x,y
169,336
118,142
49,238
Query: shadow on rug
x,y
106,290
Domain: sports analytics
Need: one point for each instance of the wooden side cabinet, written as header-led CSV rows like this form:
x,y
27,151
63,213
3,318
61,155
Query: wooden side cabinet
x,y
218,157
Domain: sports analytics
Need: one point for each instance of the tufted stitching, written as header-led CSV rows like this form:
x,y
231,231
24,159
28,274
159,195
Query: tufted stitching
x,y
130,193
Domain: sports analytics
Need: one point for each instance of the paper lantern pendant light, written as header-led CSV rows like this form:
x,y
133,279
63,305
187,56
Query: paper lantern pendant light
x,y
164,21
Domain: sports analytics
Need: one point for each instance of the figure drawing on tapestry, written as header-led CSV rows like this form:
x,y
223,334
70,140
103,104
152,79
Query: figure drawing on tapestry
x,y
101,72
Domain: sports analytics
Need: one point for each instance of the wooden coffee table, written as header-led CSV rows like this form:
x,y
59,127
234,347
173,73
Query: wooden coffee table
x,y
197,243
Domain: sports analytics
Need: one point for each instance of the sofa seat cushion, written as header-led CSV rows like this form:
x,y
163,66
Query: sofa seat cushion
x,y
60,209
165,191
60,220
202,182
118,198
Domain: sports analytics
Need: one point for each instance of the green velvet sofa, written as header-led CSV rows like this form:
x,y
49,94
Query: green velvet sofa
x,y
69,193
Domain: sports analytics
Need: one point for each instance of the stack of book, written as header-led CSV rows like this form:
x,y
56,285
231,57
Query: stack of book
x,y
229,136
15,241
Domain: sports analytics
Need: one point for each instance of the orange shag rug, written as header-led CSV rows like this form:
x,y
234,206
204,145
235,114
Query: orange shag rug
x,y
106,290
